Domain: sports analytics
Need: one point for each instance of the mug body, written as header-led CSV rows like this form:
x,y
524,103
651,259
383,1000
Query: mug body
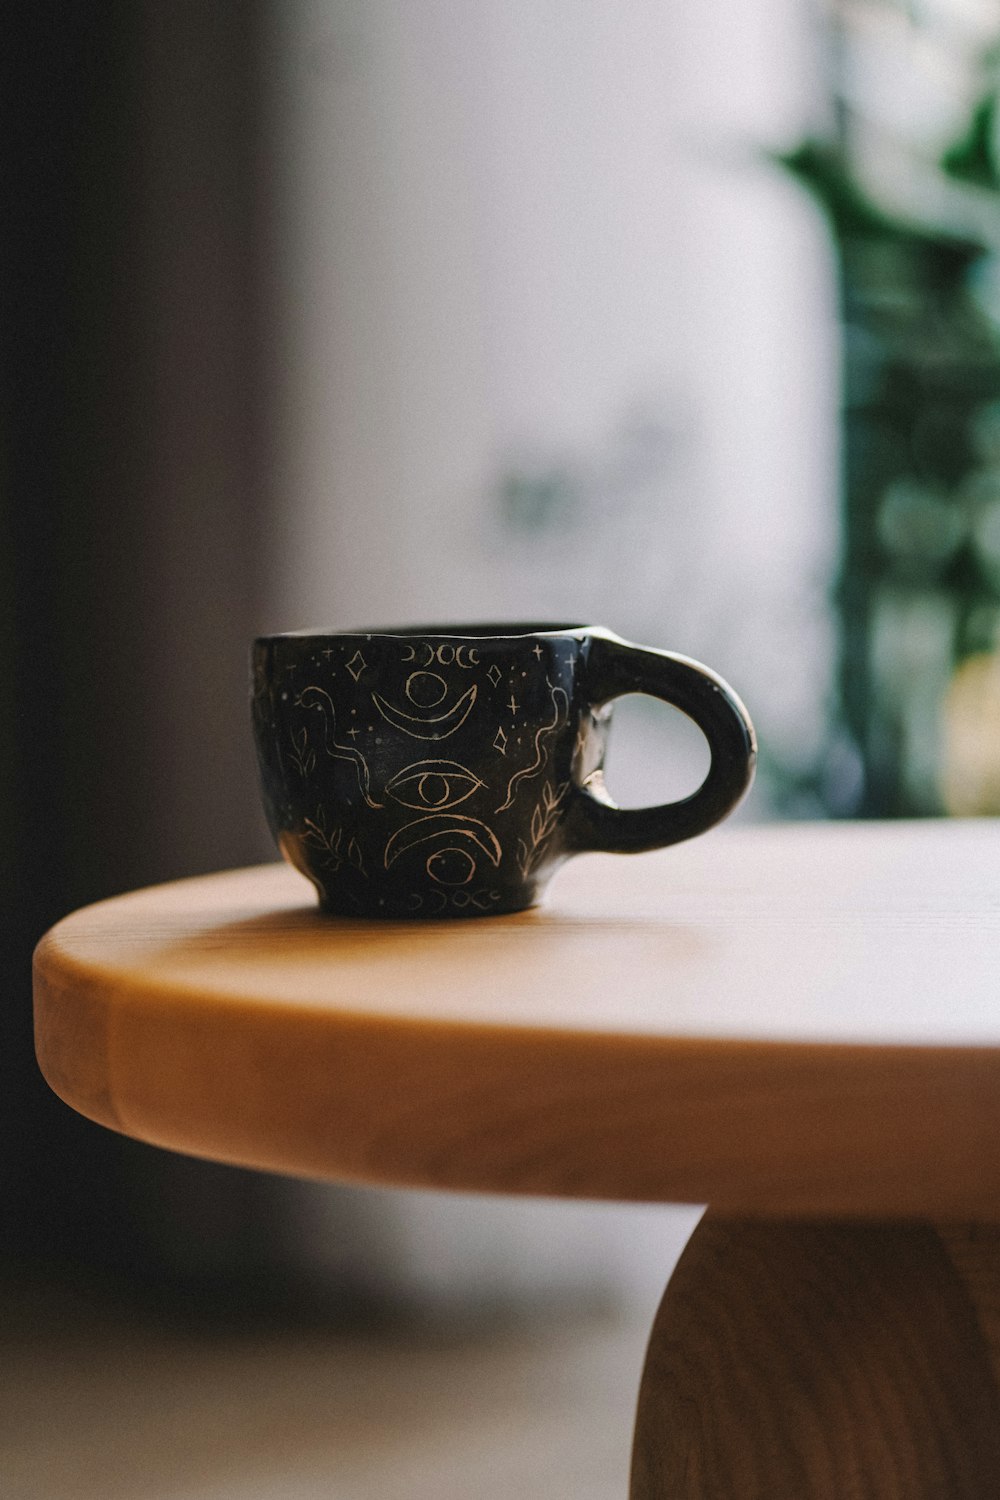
x,y
425,772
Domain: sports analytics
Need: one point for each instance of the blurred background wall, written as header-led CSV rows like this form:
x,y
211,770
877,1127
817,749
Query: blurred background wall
x,y
559,338
135,511
678,318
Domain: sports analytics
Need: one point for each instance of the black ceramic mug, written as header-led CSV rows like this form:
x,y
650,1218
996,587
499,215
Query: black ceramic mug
x,y
447,771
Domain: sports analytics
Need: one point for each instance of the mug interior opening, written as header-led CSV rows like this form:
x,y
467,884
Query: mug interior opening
x,y
511,629
477,632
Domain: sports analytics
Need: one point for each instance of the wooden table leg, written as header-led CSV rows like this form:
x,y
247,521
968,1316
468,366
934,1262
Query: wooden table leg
x,y
824,1361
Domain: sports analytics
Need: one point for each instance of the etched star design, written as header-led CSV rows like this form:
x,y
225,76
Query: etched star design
x,y
356,665
494,674
500,743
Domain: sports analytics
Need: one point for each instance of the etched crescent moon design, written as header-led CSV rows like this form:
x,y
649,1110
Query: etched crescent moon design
x,y
427,726
472,657
438,825
433,784
412,656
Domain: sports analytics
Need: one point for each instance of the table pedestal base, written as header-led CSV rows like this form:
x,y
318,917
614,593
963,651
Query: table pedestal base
x,y
824,1361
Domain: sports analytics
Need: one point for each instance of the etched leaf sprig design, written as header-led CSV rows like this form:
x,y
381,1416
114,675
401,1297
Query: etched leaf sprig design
x,y
331,843
544,819
303,756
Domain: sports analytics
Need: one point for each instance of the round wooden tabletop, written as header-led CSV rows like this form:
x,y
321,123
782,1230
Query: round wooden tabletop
x,y
799,1019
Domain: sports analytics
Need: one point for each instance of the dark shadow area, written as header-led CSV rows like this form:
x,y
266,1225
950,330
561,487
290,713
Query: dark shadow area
x,y
134,505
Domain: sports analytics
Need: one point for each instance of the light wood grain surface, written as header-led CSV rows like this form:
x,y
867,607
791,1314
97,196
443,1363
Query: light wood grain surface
x,y
790,1020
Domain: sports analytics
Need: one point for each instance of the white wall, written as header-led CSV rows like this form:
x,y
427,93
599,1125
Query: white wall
x,y
538,236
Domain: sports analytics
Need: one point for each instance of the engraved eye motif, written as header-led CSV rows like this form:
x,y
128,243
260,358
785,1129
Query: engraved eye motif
x,y
433,784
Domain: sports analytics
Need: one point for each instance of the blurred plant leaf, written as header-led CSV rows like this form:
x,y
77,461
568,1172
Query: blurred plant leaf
x,y
821,168
973,159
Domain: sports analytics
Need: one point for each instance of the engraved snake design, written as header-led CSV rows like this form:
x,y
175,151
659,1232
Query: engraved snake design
x,y
319,699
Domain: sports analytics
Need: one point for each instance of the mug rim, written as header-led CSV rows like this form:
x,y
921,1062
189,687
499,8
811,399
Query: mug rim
x,y
471,631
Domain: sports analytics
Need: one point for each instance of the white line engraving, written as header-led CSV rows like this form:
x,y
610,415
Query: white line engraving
x,y
438,825
560,703
319,699
433,784
544,820
356,665
332,846
303,756
430,726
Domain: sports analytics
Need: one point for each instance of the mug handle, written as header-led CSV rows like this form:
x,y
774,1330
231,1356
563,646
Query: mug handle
x,y
615,668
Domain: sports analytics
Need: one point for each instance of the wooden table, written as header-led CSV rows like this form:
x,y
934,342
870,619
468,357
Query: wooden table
x,y
798,1025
